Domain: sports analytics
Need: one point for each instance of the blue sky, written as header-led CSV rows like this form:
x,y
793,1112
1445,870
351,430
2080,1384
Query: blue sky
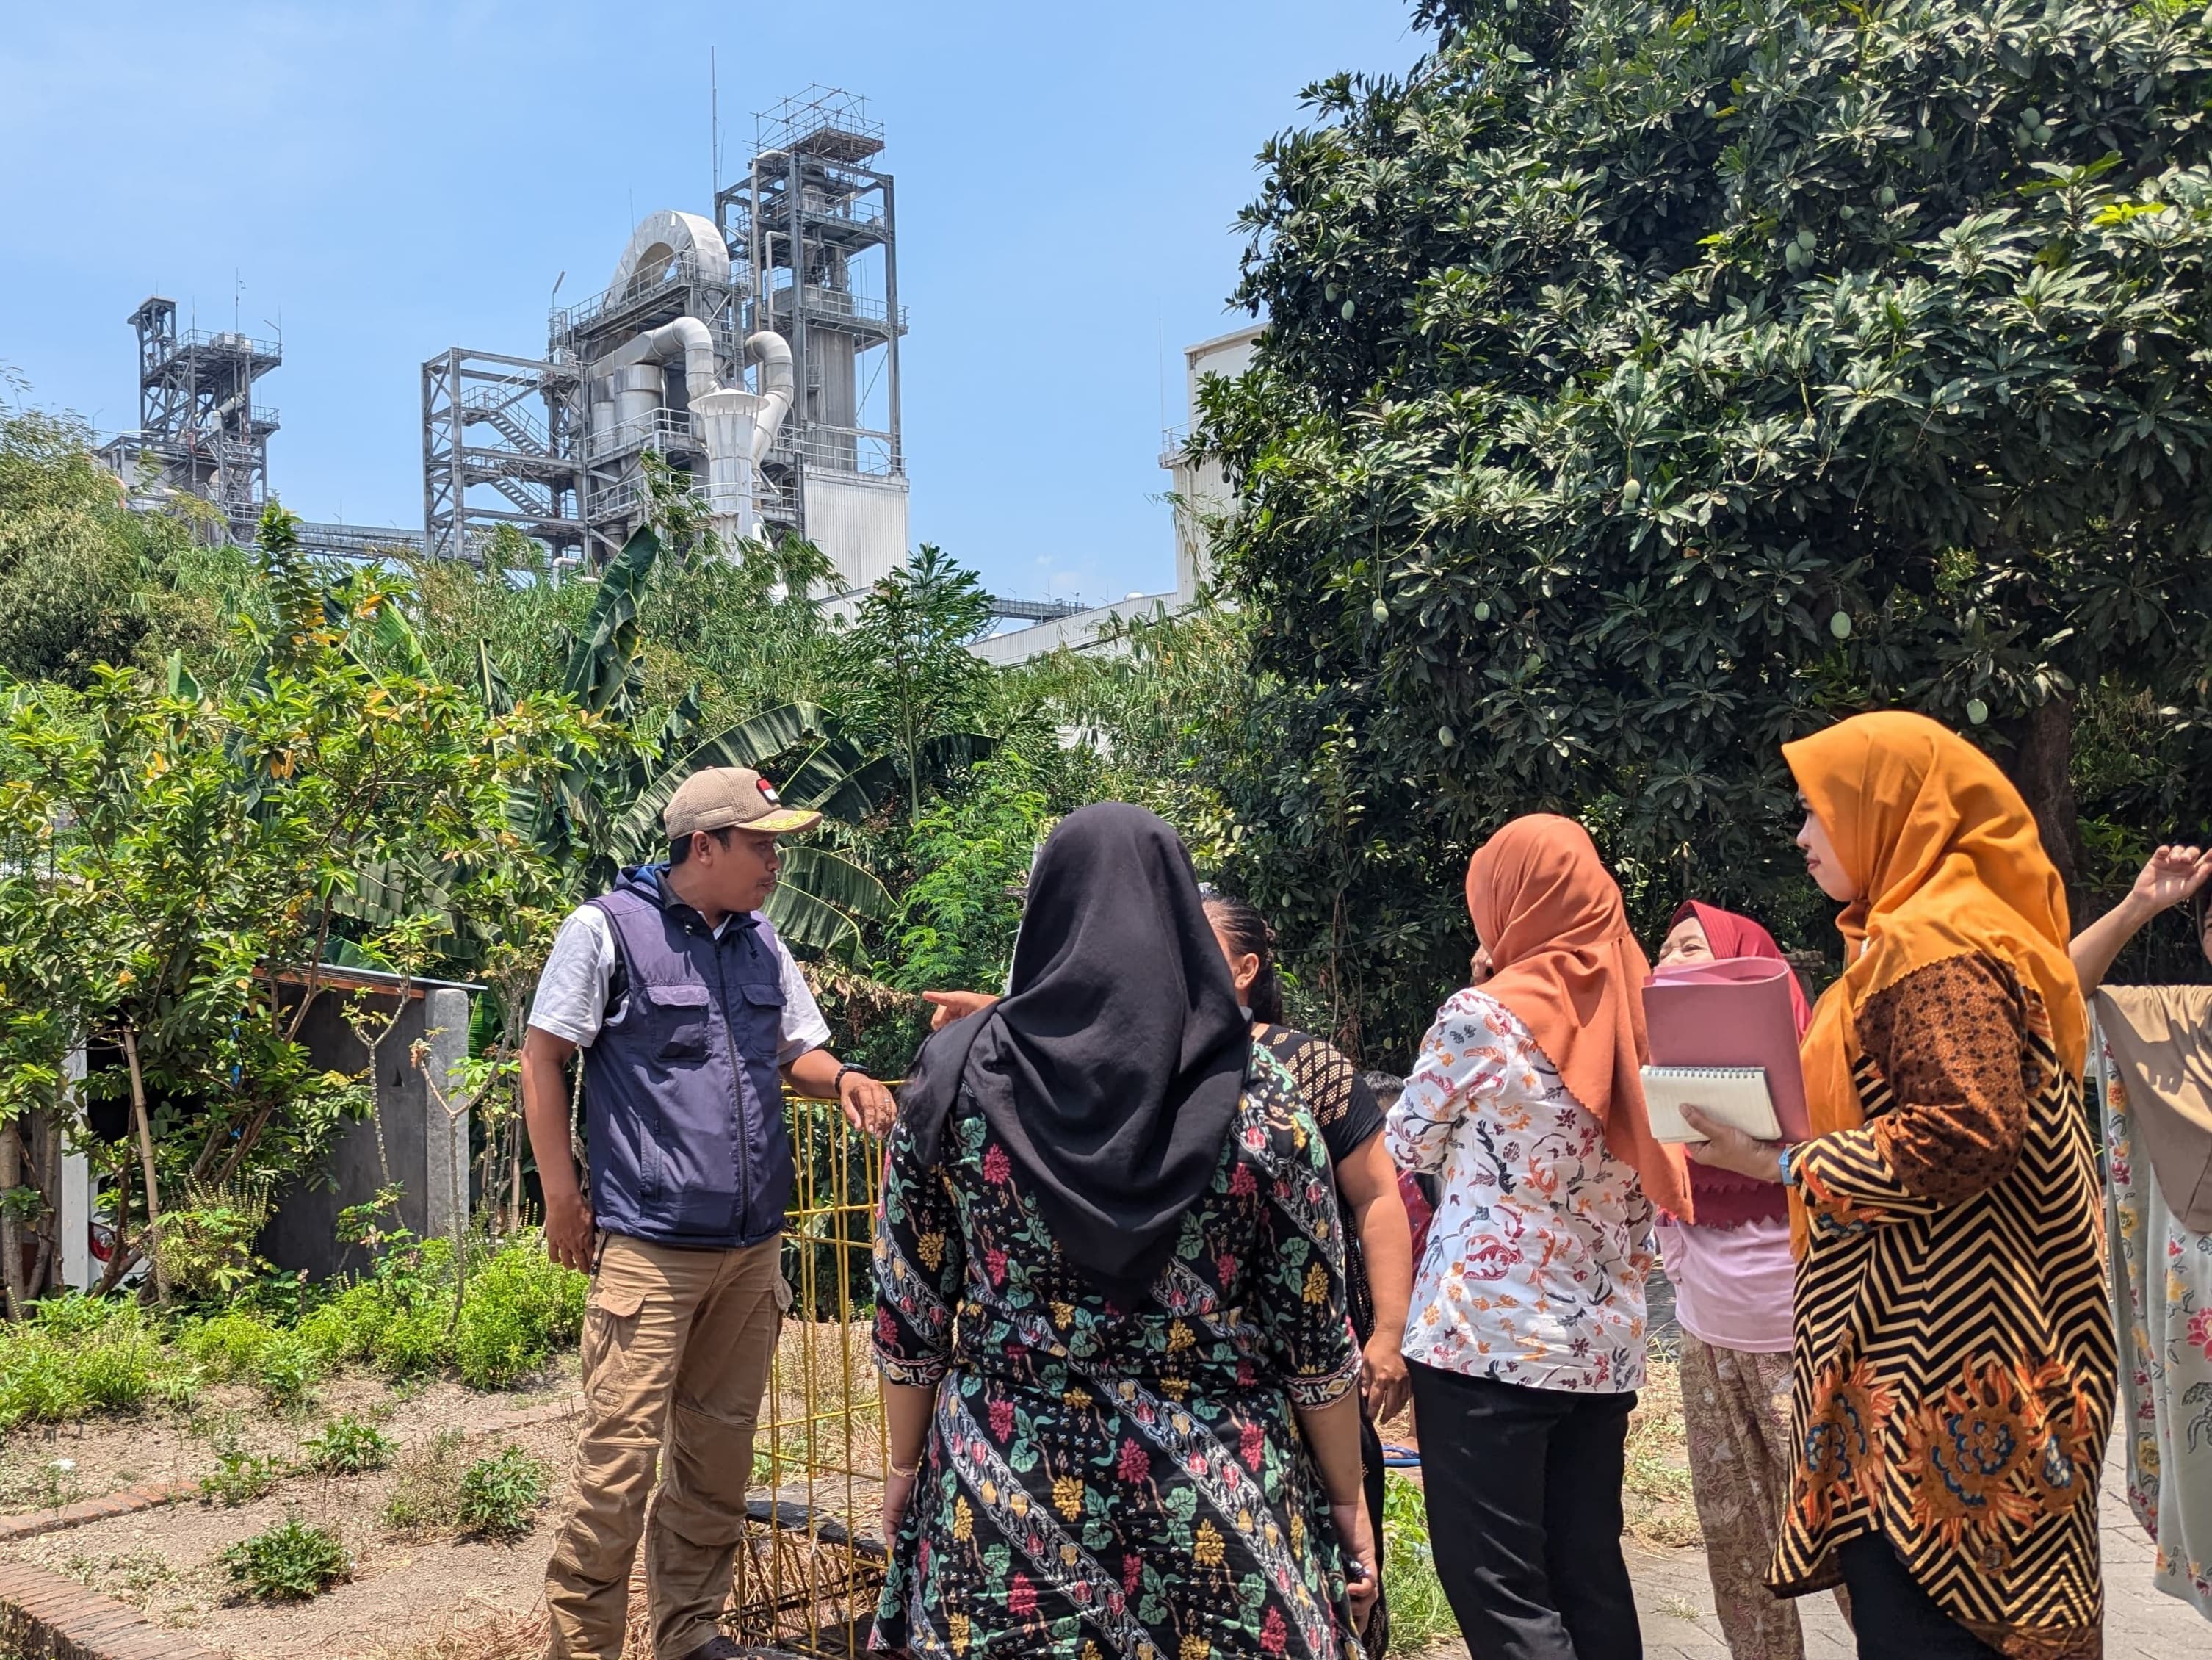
x,y
390,181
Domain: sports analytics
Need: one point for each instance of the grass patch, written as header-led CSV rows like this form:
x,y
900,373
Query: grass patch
x,y
1419,1615
425,1499
1657,1504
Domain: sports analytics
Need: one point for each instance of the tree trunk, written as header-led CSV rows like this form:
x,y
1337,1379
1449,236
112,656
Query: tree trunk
x,y
146,1160
11,1178
2041,768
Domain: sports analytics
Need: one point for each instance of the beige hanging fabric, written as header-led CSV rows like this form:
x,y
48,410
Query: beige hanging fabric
x,y
2161,1038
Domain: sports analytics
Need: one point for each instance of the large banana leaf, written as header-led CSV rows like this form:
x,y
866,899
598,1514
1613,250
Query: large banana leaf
x,y
602,659
811,927
835,880
748,744
491,685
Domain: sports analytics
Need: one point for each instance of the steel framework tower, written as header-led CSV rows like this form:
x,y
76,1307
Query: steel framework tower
x,y
200,430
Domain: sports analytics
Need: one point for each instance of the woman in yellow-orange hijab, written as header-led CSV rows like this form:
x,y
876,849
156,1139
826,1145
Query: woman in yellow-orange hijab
x,y
1954,1357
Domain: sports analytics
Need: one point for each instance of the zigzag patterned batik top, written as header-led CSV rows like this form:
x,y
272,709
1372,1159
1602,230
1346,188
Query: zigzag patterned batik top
x,y
1954,1350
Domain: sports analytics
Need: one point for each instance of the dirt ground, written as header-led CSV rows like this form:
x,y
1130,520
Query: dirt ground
x,y
443,1598
411,1598
156,1445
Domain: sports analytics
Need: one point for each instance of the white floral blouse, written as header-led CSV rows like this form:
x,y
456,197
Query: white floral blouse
x,y
1535,1268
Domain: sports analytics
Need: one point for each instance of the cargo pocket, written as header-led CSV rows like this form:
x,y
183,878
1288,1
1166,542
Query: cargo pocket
x,y
679,1020
610,1336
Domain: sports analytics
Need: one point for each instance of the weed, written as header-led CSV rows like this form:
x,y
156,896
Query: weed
x,y
179,1388
58,1486
500,1495
290,1562
347,1446
1419,1615
425,1494
287,1370
239,1476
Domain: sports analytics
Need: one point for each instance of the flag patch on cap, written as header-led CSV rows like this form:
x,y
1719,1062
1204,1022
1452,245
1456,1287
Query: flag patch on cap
x,y
768,790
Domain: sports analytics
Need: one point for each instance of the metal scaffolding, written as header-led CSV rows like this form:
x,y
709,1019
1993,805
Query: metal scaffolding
x,y
815,223
804,246
200,431
502,441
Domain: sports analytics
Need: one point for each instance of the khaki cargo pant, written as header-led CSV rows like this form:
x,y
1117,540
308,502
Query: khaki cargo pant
x,y
676,1348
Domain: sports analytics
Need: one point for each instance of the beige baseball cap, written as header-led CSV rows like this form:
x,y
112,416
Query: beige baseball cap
x,y
727,798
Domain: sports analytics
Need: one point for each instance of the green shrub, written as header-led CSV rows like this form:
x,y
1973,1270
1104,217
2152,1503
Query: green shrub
x,y
500,1495
227,1345
341,1329
520,1304
240,1477
413,1340
425,1493
347,1446
116,1373
77,1355
290,1562
287,1370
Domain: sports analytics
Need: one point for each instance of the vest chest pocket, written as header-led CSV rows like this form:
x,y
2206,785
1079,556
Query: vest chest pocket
x,y
679,1018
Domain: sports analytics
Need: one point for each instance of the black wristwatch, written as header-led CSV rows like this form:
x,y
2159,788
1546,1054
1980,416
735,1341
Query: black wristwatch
x,y
837,1085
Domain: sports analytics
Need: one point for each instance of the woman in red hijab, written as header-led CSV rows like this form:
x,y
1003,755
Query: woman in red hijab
x,y
1732,1273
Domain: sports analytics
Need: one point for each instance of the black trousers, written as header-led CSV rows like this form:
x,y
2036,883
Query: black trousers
x,y
1893,1618
1523,1492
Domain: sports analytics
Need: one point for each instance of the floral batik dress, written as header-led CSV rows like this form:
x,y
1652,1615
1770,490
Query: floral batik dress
x,y
1103,1481
2162,1296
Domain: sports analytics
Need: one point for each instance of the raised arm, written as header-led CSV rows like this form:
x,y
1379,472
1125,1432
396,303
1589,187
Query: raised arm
x,y
2172,875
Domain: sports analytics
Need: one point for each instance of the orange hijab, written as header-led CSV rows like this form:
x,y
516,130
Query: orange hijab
x,y
1948,860
1567,965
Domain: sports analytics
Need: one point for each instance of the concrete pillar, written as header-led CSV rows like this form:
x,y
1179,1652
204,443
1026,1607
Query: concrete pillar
x,y
74,1219
446,1135
424,1145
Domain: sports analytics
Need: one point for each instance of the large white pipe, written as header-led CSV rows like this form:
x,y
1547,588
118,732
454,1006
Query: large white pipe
x,y
738,427
777,387
687,335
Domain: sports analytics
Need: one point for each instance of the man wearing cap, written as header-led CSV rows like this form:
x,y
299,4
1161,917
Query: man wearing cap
x,y
691,1014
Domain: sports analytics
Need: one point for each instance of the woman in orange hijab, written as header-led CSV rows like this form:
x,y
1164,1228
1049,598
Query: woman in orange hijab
x,y
1525,1341
1954,1360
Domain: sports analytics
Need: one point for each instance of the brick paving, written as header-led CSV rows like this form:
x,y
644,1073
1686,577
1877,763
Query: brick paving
x,y
1675,1601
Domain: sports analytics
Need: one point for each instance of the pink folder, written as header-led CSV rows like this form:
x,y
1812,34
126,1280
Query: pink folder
x,y
1730,1012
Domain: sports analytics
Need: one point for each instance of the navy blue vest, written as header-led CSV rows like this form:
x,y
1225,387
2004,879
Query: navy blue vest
x,y
683,1102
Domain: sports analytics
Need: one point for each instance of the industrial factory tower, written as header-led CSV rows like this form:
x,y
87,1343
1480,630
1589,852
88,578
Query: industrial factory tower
x,y
796,279
200,432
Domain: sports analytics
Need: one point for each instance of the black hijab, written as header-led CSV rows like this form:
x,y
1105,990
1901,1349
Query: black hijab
x,y
1111,1069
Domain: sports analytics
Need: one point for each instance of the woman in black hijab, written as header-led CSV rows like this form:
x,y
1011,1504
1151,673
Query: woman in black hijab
x,y
1108,1273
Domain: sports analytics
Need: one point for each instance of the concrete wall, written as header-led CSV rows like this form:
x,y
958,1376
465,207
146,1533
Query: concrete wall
x,y
1202,491
426,1148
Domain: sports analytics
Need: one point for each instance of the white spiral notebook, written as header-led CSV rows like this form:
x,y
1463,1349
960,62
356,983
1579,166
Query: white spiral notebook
x,y
1734,1095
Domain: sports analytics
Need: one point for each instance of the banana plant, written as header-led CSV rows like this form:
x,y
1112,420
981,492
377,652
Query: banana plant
x,y
606,812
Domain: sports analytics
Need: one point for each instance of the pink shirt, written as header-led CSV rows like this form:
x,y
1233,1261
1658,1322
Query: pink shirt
x,y
1732,1286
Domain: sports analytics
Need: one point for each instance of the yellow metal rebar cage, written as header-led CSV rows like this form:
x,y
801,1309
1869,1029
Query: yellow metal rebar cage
x,y
810,1564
